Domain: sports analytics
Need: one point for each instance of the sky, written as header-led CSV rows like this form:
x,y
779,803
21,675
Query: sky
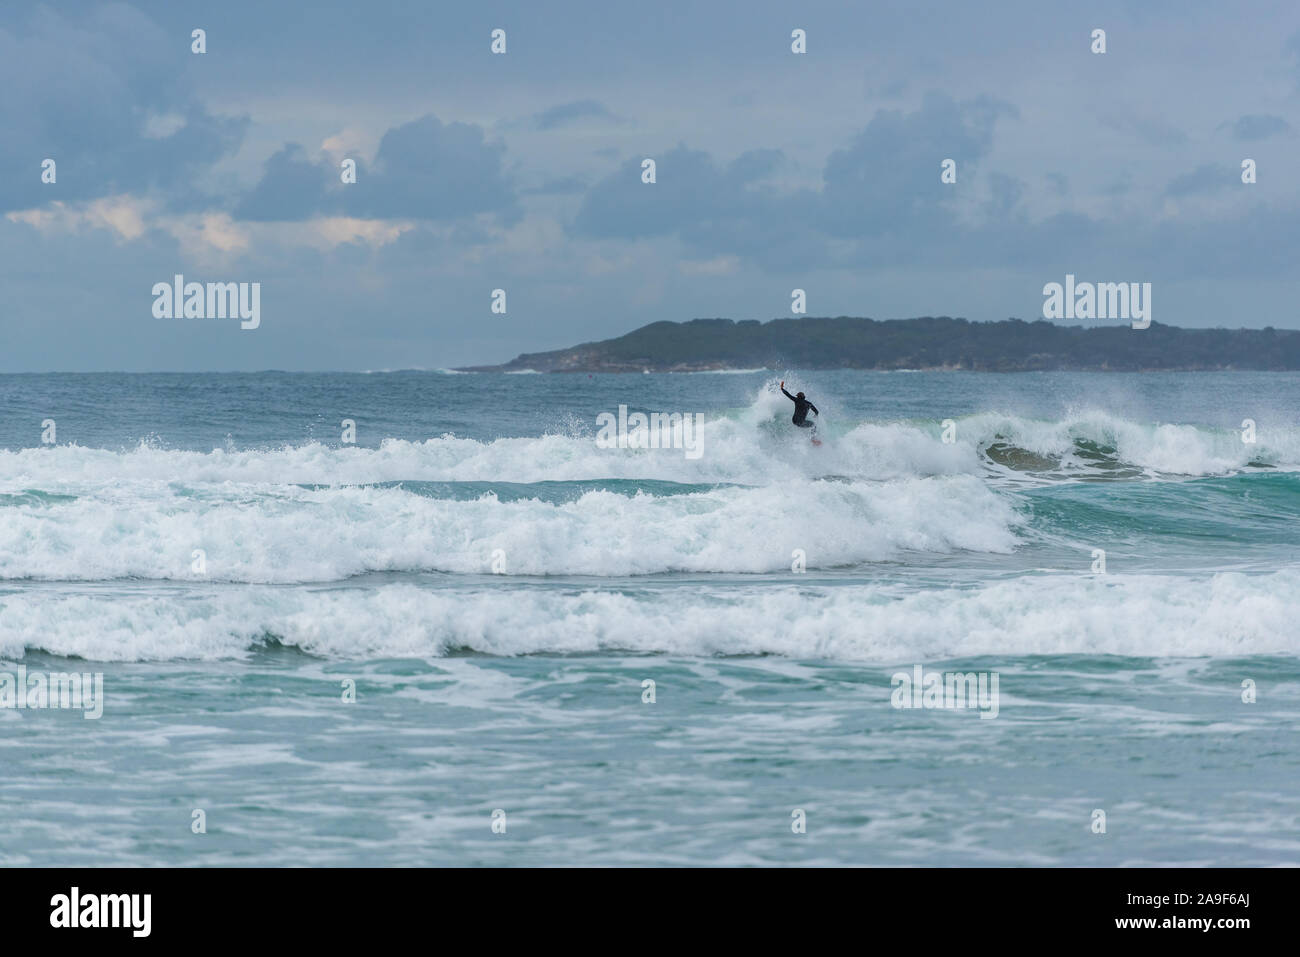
x,y
522,170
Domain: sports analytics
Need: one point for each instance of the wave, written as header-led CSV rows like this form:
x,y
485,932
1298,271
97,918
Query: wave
x,y
1141,615
723,371
731,452
1098,444
291,534
753,446
557,504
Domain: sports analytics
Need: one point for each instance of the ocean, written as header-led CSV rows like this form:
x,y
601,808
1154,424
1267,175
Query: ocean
x,y
475,636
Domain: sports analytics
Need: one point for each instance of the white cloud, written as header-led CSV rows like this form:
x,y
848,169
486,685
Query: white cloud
x,y
336,230
159,126
203,235
717,266
123,215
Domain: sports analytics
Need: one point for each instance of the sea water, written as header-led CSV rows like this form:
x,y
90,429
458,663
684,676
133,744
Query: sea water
x,y
477,636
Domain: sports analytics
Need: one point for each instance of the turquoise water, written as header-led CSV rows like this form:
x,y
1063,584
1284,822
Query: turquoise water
x,y
497,587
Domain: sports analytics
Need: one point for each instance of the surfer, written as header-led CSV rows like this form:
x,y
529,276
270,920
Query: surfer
x,y
801,407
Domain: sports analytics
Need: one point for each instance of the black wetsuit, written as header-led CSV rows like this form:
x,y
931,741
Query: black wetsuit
x,y
801,407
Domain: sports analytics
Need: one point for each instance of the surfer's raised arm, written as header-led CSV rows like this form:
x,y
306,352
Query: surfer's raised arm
x,y
787,394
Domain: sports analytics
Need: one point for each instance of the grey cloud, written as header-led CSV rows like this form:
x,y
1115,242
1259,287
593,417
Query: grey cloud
x,y
83,92
424,169
1257,126
1149,129
886,181
1207,178
567,113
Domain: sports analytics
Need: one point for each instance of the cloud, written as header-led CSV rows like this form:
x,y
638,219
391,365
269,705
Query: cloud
x,y
882,186
882,206
709,207
886,181
423,170
719,266
207,238
1257,126
105,96
1207,178
568,113
561,186
124,216
338,230
293,187
1149,128
755,165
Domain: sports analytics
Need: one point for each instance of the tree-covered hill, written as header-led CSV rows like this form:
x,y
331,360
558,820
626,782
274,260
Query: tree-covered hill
x,y
926,343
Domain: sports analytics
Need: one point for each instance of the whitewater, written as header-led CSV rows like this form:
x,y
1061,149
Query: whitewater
x,y
428,534
642,655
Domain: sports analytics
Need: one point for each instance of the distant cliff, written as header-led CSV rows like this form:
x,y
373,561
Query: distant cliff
x,y
929,343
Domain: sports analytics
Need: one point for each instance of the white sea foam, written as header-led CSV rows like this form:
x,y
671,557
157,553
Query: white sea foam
x,y
873,492
723,372
742,448
1227,614
289,534
1167,448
